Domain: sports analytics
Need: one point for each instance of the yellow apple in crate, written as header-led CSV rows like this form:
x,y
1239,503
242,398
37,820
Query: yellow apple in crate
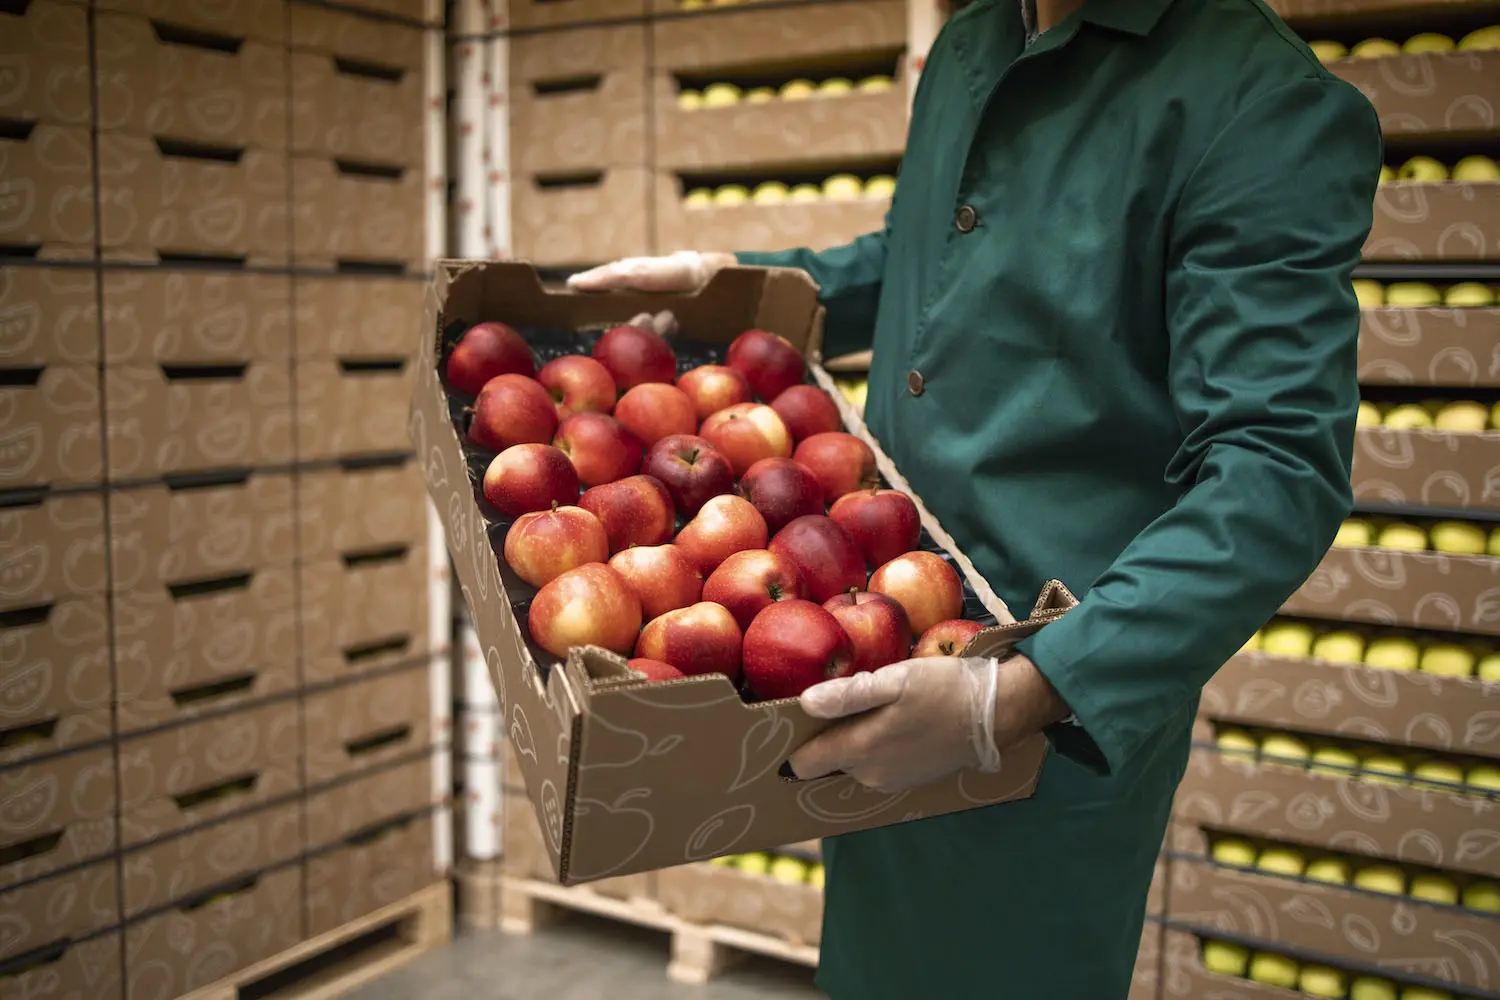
x,y
1368,414
1462,417
1484,778
1446,659
769,193
1383,769
1274,970
1225,959
805,193
730,195
1381,878
1483,896
1428,41
1333,871
1438,773
720,95
797,90
699,198
792,871
689,100
843,187
1336,761
1433,889
1412,295
877,84
1236,743
1327,51
1402,536
1322,981
1291,639
1393,653
880,186
1422,170
1240,853
1375,48
759,95
1284,749
1481,40
1476,170
1369,293
1407,417
1468,294
835,86
1370,988
1339,647
1281,861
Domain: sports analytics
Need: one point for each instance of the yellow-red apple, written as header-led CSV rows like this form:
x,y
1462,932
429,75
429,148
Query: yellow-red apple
x,y
636,510
528,477
713,388
599,446
875,624
926,586
635,355
512,409
807,410
792,645
587,606
578,384
654,410
545,544
842,462
661,576
782,491
746,433
947,638
828,559
485,351
883,523
655,670
769,363
749,581
701,639
691,469
723,526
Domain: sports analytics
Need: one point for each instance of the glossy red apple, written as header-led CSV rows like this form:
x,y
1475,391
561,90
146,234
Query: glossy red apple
x,y
876,625
782,491
842,462
792,645
713,388
828,559
600,448
702,639
636,510
723,526
947,638
512,409
587,606
926,586
883,523
750,581
635,355
807,410
655,670
485,351
769,363
543,545
654,410
528,477
578,384
691,469
661,576
746,433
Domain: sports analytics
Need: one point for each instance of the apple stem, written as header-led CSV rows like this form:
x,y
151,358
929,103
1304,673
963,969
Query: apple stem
x,y
853,591
554,505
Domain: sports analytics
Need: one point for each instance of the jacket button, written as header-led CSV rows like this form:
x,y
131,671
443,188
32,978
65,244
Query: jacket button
x,y
915,383
965,218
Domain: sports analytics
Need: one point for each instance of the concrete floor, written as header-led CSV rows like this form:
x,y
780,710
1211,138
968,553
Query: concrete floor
x,y
582,958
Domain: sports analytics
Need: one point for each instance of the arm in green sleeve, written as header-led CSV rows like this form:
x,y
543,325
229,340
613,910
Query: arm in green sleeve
x,y
1263,328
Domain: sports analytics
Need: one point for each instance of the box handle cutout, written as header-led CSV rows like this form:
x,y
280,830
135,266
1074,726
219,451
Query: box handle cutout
x,y
33,848
374,557
379,171
20,251
186,258
364,462
26,617
377,741
186,590
354,366
37,958
242,785
197,694
379,831
36,732
368,70
16,129
379,648
177,34
561,182
567,85
204,373
361,265
182,150
202,899
26,377
186,482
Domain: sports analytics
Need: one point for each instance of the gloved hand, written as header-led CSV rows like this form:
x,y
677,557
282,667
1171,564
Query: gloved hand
x,y
684,271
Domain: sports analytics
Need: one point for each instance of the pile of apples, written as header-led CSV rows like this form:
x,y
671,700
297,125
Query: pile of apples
x,y
1480,40
1430,170
1376,648
786,868
835,187
1225,958
1421,295
726,95
1461,416
791,565
1457,538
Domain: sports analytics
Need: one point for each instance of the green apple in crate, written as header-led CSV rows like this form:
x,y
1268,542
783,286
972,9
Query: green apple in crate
x,y
1274,970
1223,958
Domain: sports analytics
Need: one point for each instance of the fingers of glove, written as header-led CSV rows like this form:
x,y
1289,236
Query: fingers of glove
x,y
836,748
646,274
845,696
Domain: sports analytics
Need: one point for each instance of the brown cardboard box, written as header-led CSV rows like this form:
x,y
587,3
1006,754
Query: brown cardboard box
x,y
368,799
51,549
1441,93
816,225
181,652
74,970
1426,468
62,908
358,111
55,813
175,778
360,509
811,37
363,611
351,316
1156,895
1415,589
349,407
166,315
581,218
166,80
578,99
48,315
1421,826
523,853
629,776
47,187
554,13
1145,977
229,19
1429,347
206,938
1312,10
55,683
372,868
176,420
190,531
1447,222
372,40
49,429
1446,714
171,869
710,894
367,722
45,47
355,212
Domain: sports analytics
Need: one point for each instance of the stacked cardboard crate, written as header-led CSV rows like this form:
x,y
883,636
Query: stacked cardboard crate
x,y
218,712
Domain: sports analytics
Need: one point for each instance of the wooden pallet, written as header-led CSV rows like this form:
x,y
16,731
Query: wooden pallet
x,y
337,962
699,952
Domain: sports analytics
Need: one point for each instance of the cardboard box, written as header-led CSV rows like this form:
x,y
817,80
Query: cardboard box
x,y
817,225
375,41
227,18
364,611
70,971
1304,10
1440,93
191,531
1429,347
185,651
709,894
351,316
1145,977
192,200
56,813
48,315
582,218
1426,468
219,932
805,40
176,420
630,776
1413,589
164,315
372,868
45,46
523,853
55,683
1420,826
69,906
350,407
346,212
49,429
50,549
368,799
171,81
355,110
1436,222
1454,715
207,769
366,722
360,509
47,187
578,99
556,13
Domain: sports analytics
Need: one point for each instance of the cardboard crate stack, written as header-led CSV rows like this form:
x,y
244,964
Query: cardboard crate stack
x,y
223,705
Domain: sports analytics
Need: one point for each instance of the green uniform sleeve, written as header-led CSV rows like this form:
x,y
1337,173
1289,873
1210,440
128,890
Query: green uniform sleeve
x,y
1263,327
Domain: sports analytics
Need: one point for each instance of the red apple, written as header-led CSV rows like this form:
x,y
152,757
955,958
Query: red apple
x,y
723,526
634,354
926,586
587,606
654,410
769,363
600,448
748,582
714,387
842,462
543,545
578,384
746,433
512,409
485,351
827,558
793,645
947,638
691,469
655,670
876,625
661,576
883,523
782,491
702,639
636,510
807,410
528,477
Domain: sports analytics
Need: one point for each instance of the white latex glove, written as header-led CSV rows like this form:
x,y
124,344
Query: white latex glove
x,y
684,271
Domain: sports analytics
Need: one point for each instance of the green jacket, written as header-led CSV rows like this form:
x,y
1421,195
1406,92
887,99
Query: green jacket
x,y
1114,343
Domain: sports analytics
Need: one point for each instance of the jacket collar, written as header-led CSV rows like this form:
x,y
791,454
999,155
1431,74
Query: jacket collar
x,y
1133,17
